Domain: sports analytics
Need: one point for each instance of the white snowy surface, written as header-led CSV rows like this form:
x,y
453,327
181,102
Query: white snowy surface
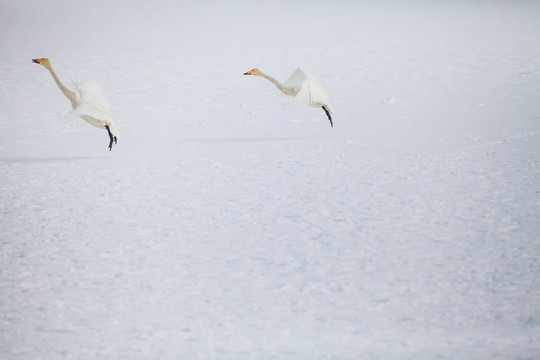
x,y
226,225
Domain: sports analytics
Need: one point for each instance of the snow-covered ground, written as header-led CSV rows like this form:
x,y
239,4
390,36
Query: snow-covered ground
x,y
227,225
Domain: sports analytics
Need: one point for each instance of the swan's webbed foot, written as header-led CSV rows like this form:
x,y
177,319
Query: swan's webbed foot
x,y
329,116
111,137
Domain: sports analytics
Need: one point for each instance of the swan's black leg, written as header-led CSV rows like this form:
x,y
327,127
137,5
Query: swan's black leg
x,y
111,137
328,114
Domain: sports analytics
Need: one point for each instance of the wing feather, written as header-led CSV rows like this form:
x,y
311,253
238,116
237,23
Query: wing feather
x,y
92,96
297,79
310,91
93,106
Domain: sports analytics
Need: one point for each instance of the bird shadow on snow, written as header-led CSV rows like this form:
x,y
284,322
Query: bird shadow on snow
x,y
52,159
255,139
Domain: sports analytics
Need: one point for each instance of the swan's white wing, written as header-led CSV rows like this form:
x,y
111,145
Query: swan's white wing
x,y
93,106
92,95
311,91
297,80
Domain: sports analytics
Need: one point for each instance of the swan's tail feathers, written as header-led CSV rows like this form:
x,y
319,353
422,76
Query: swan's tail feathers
x,y
328,112
112,128
112,138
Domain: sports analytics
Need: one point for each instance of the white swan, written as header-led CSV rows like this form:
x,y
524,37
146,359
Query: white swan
x,y
90,102
303,87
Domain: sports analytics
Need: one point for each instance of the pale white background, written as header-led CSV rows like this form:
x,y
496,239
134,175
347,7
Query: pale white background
x,y
227,225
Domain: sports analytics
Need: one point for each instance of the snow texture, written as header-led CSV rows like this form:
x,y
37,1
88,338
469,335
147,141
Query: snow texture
x,y
226,225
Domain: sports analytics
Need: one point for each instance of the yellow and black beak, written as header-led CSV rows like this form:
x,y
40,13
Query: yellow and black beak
x,y
37,61
249,72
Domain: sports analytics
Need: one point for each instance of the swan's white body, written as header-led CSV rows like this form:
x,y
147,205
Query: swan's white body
x,y
89,102
92,105
303,87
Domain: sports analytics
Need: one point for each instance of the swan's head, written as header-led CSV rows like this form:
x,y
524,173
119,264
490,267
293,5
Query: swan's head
x,y
253,72
42,61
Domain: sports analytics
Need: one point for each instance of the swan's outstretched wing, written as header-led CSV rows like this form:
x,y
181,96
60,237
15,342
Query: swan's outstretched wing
x,y
93,106
297,80
310,91
92,96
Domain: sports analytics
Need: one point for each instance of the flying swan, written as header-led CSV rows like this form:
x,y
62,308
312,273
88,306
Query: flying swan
x,y
90,102
303,87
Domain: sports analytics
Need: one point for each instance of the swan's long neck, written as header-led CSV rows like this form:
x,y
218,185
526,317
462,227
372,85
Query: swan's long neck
x,y
71,95
284,89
